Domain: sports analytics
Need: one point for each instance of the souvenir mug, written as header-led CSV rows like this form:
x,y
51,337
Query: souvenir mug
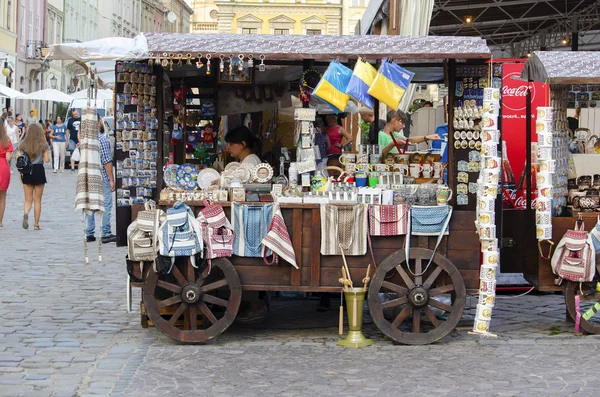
x,y
544,153
490,136
544,179
491,258
487,204
401,168
487,232
544,113
490,191
481,326
490,177
415,170
545,139
543,232
483,312
346,158
350,167
437,170
545,192
543,218
488,272
318,183
487,299
489,245
487,218
365,167
443,194
427,170
360,179
380,167
492,163
547,166
487,286
543,204
375,158
362,158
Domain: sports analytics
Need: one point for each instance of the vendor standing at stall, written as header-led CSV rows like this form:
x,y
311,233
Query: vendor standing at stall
x,y
396,120
240,145
338,138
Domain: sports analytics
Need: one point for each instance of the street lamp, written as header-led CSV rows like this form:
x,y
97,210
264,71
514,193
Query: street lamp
x,y
53,80
7,72
75,82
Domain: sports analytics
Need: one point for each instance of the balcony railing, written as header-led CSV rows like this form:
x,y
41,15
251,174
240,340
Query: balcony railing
x,y
35,48
205,26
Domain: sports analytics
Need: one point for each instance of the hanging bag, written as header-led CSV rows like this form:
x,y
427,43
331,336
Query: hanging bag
x,y
344,228
250,225
390,83
574,258
180,234
427,221
279,241
388,220
217,232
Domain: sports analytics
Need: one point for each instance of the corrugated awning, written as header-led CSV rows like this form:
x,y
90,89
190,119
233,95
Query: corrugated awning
x,y
563,67
295,47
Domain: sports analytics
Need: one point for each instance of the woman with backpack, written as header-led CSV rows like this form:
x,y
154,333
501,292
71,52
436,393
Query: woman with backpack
x,y
6,149
35,147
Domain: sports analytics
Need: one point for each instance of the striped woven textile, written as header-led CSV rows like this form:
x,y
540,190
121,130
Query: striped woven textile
x,y
90,194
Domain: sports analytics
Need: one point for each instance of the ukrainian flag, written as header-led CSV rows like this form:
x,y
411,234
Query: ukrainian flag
x,y
333,84
390,83
362,78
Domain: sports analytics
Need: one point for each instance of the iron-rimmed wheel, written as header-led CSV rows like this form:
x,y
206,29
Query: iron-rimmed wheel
x,y
417,296
213,298
589,297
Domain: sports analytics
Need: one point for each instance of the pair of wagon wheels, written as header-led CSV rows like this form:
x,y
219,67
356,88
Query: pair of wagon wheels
x,y
203,305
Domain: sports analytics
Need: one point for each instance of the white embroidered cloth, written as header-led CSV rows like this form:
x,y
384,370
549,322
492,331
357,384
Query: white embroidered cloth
x,y
89,195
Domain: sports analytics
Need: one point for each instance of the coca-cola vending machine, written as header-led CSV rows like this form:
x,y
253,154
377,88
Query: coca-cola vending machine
x,y
517,246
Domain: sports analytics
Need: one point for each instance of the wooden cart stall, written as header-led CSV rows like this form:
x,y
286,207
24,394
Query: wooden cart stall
x,y
560,70
192,305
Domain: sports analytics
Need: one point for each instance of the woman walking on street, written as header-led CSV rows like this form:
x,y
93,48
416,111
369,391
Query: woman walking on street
x,y
6,149
58,137
21,126
38,151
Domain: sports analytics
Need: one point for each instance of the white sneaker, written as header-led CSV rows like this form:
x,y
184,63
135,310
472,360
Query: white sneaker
x,y
54,171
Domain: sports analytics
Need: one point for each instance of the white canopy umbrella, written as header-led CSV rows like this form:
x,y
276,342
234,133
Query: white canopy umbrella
x,y
9,92
103,94
48,94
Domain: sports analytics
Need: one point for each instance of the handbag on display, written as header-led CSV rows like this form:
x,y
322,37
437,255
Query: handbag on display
x,y
388,220
141,234
217,232
344,229
430,220
250,225
574,257
180,233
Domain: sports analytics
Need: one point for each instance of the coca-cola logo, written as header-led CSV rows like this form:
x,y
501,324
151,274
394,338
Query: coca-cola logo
x,y
517,198
514,92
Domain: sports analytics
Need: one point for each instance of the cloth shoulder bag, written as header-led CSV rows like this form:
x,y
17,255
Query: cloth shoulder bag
x,y
429,220
574,256
180,233
344,229
217,232
250,225
388,220
142,234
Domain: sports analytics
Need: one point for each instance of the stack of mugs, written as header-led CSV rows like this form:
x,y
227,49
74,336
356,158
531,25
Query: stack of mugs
x,y
547,167
488,182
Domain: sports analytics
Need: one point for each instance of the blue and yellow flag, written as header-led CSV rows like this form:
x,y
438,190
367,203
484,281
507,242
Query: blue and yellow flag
x,y
332,87
362,78
390,83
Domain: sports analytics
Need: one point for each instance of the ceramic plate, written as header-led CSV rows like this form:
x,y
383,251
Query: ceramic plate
x,y
187,176
232,166
243,174
206,177
262,173
170,176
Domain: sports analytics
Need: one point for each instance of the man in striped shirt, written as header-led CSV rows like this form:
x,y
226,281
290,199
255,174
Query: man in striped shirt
x,y
108,187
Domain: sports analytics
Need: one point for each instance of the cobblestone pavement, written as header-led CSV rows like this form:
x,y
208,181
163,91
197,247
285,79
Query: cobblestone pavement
x,y
64,331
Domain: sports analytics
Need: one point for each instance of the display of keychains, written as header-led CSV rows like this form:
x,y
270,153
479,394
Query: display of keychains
x,y
487,193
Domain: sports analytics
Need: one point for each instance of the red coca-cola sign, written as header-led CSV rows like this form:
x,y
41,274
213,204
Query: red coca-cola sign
x,y
517,199
514,92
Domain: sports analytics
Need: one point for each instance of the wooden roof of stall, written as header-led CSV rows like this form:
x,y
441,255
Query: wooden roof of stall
x,y
298,47
563,67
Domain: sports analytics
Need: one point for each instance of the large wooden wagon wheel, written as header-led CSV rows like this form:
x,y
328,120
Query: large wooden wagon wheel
x,y
419,314
195,307
589,298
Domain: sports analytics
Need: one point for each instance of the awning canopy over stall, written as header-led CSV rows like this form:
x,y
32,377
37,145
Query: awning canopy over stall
x,y
274,47
297,47
563,67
